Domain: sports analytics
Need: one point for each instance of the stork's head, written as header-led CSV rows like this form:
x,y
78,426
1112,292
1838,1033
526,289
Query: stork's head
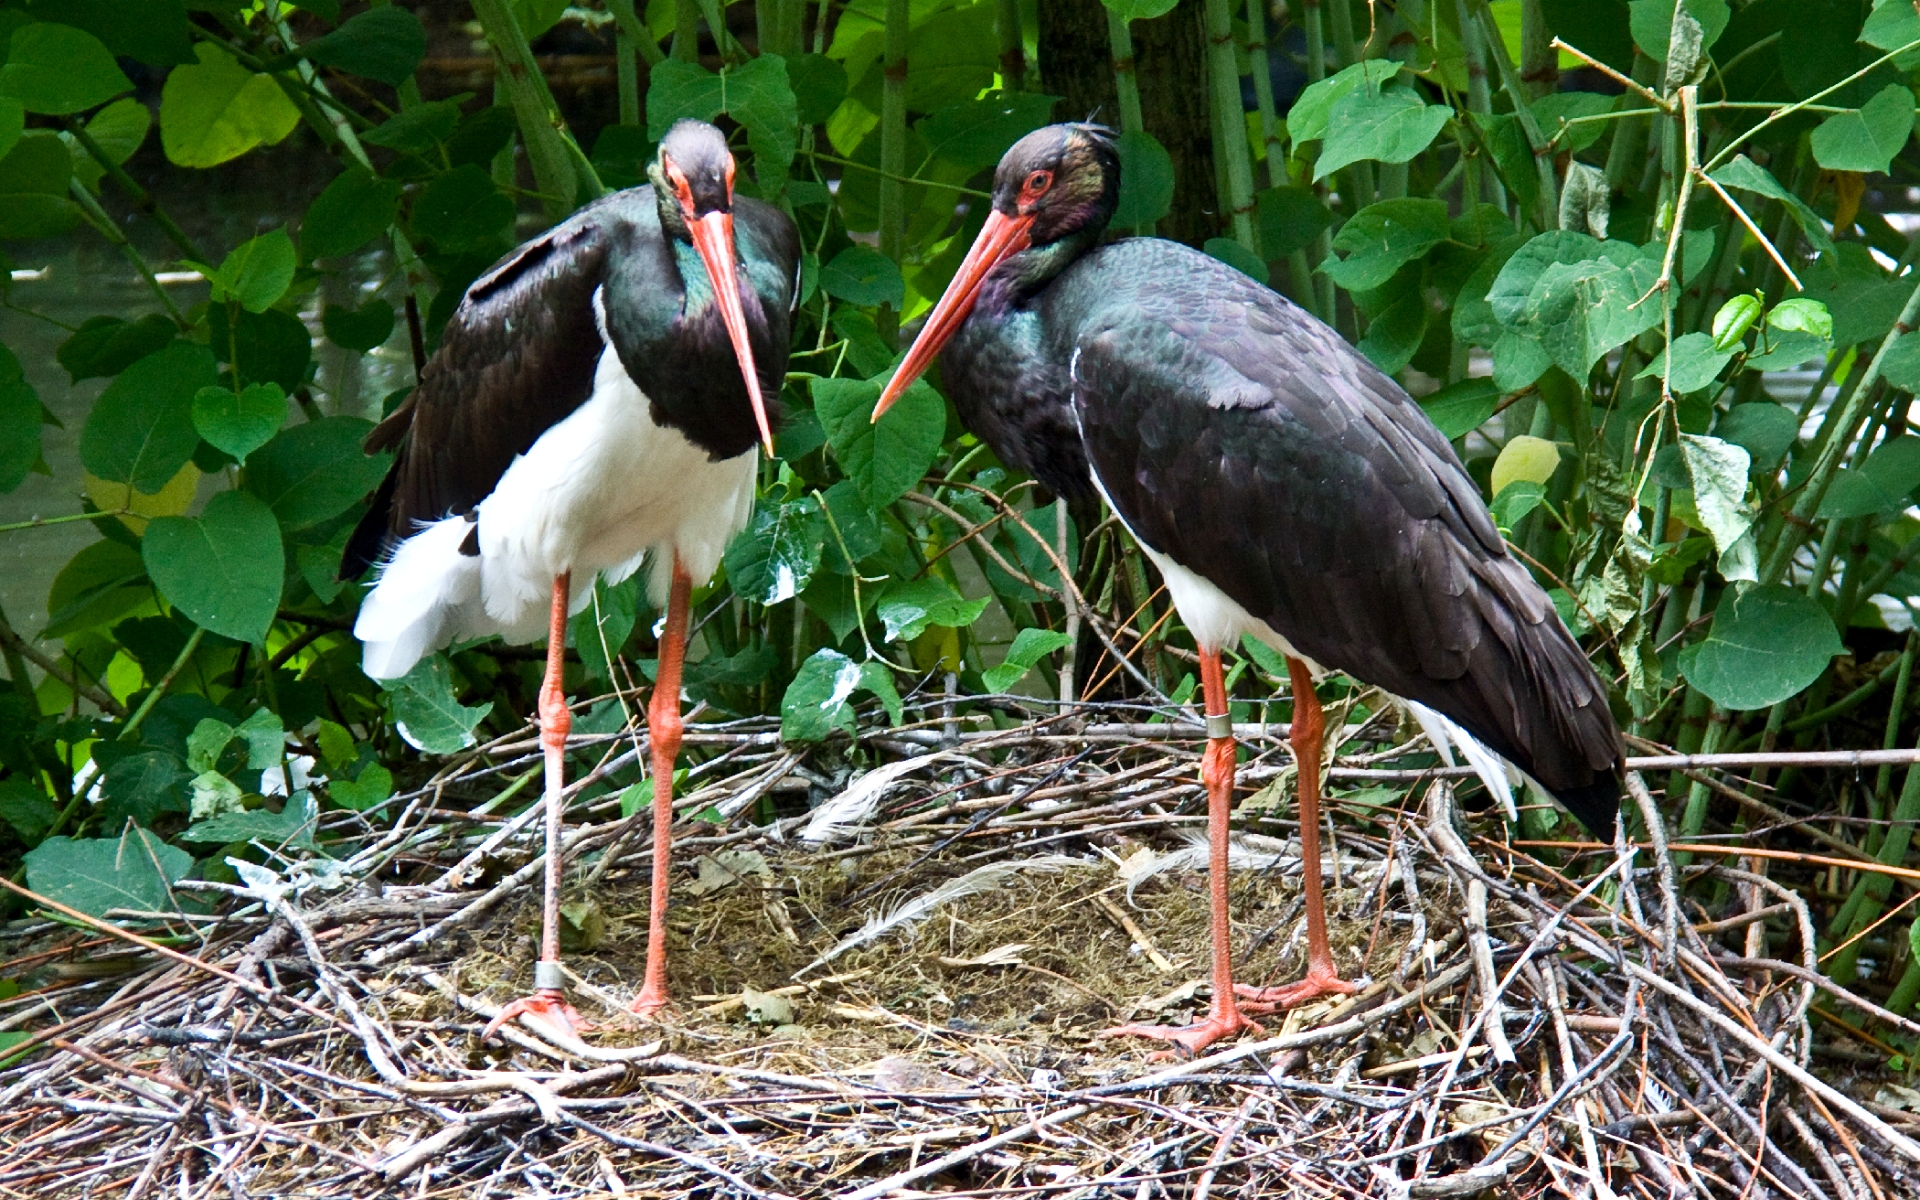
x,y
1053,194
693,184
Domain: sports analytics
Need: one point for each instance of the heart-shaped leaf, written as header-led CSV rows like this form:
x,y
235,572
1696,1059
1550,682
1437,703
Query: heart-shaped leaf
x,y
222,568
239,422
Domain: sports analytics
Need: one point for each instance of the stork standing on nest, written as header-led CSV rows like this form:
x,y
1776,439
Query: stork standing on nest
x,y
596,399
1285,488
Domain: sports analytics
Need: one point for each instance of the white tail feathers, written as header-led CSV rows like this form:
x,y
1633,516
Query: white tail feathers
x,y
1494,771
428,594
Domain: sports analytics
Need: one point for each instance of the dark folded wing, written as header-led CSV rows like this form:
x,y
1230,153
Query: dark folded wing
x,y
1249,443
516,358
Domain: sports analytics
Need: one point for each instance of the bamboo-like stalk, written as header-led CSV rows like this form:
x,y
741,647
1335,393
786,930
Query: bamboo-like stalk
x,y
557,164
1539,62
1013,44
1843,428
628,82
1360,174
1229,123
628,21
1479,96
1549,207
686,31
893,142
1263,93
1126,80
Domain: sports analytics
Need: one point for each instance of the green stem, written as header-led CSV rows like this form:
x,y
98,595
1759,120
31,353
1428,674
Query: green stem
x,y
893,137
142,200
1013,44
160,689
1695,817
1479,96
1834,448
1510,84
630,24
628,78
1263,93
686,31
560,171
1229,123
1126,80
110,230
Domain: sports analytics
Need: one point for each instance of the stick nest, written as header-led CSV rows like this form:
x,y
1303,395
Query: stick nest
x,y
1529,1022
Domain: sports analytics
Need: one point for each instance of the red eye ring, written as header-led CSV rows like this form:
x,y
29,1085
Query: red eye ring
x,y
1039,182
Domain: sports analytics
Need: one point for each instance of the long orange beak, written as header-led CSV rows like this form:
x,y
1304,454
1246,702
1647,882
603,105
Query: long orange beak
x,y
713,238
1000,238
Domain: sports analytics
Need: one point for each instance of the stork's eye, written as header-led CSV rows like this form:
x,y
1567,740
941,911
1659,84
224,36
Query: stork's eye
x,y
1039,182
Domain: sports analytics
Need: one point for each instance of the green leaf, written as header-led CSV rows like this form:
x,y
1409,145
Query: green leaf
x,y
223,568
602,628
19,427
864,276
290,828
756,94
140,430
1765,429
1893,24
973,134
315,470
57,69
1289,219
33,187
1397,322
1743,174
774,559
426,712
819,85
27,809
1866,139
1029,647
257,272
1460,408
819,700
1515,501
1388,126
1766,644
487,131
13,122
266,347
1139,10
1381,238
365,329
382,43
1553,110
142,787
417,130
1576,296
350,212
1718,472
102,582
854,522
133,871
1695,363
1146,180
1307,119
374,786
907,608
120,128
217,110
885,459
1802,315
462,210
105,346
1236,256
266,738
1881,484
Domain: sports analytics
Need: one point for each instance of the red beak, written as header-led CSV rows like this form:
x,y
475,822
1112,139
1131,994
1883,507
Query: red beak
x,y
1000,238
713,238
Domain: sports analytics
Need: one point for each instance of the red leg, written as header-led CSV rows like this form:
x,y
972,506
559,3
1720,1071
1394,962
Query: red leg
x,y
1224,1018
549,1001
663,728
1306,735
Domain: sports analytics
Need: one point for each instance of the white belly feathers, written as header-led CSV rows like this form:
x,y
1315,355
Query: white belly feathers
x,y
597,493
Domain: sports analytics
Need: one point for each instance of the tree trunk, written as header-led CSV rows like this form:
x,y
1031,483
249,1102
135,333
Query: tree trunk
x,y
1076,63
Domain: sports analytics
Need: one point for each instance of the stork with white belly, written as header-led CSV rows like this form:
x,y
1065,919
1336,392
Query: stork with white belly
x,y
596,401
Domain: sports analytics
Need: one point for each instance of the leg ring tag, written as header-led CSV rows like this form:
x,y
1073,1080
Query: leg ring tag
x,y
547,975
1219,725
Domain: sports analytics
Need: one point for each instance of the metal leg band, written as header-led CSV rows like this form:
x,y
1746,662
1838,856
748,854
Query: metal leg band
x,y
1219,725
547,976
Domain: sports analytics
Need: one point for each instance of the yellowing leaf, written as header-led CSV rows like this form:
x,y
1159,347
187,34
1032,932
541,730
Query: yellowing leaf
x,y
218,110
170,501
1525,457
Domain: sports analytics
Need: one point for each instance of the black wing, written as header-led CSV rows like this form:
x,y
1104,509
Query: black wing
x,y
1247,441
516,358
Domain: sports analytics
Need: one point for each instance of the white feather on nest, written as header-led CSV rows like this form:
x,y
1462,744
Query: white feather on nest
x,y
847,813
980,879
1246,852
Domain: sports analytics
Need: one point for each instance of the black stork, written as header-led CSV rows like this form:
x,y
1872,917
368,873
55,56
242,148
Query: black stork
x,y
1285,488
595,400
